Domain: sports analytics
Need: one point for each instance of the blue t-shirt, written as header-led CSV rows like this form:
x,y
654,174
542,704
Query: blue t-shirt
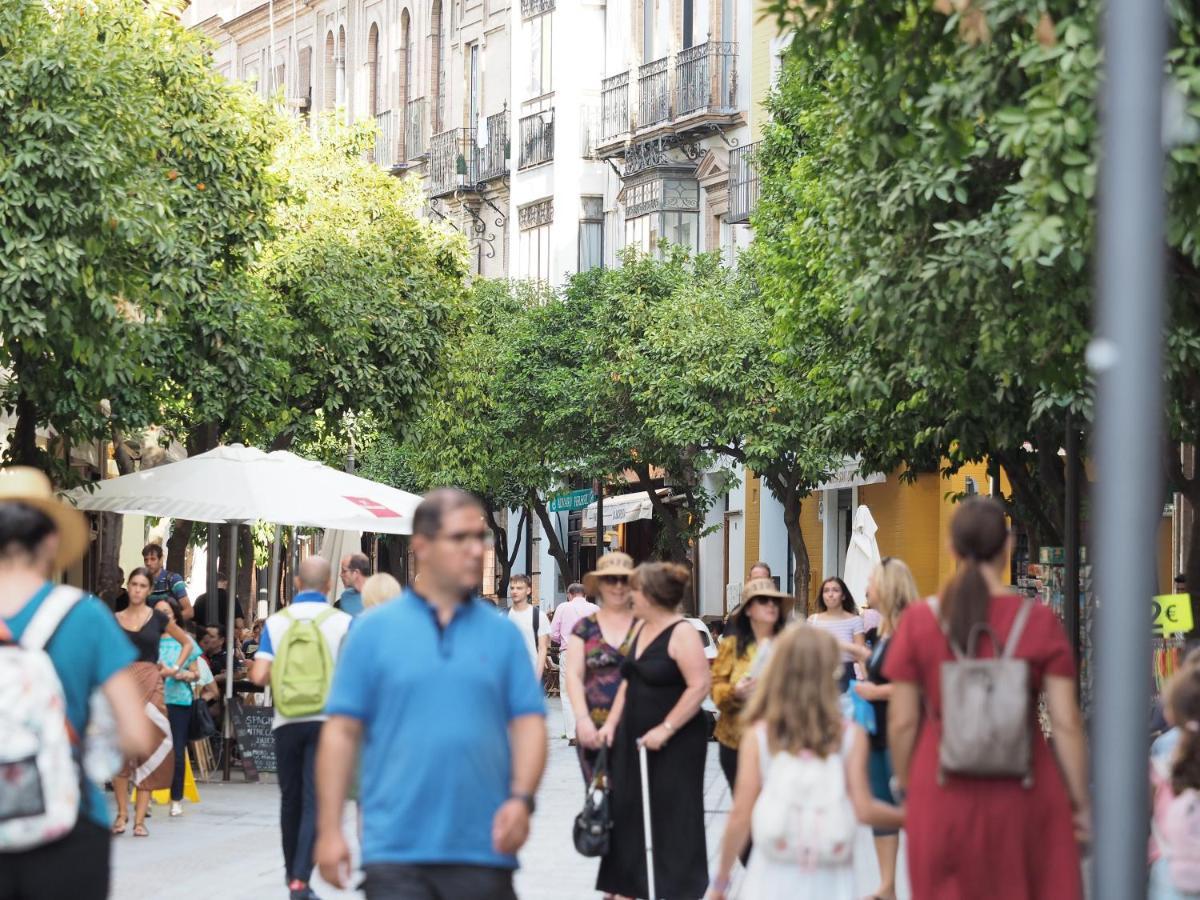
x,y
88,648
435,704
351,602
175,692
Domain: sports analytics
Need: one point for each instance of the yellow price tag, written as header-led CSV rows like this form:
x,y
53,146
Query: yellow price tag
x,y
1172,613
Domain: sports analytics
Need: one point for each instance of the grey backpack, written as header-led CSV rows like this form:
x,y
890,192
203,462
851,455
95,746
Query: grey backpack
x,y
986,718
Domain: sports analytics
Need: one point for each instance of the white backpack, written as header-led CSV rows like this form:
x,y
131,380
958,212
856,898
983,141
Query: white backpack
x,y
803,815
40,782
1178,835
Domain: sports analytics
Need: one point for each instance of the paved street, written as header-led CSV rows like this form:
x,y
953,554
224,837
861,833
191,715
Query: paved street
x,y
228,845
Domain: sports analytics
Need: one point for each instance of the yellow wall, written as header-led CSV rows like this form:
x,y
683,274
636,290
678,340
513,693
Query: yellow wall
x,y
763,30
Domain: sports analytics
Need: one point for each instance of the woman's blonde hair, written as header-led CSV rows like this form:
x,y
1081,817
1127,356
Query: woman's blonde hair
x,y
379,588
895,589
797,696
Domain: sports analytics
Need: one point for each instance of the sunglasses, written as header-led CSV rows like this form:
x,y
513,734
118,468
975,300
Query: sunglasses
x,y
614,579
774,600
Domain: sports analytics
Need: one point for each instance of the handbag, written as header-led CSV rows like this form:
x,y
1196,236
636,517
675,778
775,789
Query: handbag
x,y
594,822
200,725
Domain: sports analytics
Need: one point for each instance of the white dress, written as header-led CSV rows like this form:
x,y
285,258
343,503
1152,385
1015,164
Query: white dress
x,y
768,879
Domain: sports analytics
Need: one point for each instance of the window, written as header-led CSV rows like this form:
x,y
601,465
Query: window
x,y
330,87
591,233
373,71
533,251
340,61
437,73
541,55
304,80
647,30
662,208
689,19
405,76
473,86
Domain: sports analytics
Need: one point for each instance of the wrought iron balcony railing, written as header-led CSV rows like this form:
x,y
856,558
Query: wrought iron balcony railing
x,y
706,78
385,145
494,157
415,143
654,92
614,106
453,163
743,182
537,139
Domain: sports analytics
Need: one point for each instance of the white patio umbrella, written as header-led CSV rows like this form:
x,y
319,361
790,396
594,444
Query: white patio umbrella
x,y
862,556
243,484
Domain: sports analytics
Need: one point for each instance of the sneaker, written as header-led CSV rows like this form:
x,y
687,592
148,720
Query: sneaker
x,y
176,809
298,890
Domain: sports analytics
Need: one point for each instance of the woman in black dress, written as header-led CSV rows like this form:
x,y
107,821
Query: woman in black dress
x,y
666,680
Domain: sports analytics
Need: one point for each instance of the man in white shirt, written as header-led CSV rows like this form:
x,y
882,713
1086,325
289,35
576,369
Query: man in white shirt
x,y
566,617
296,738
534,628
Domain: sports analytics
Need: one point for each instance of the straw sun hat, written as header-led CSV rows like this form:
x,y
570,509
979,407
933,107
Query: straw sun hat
x,y
22,484
764,587
617,564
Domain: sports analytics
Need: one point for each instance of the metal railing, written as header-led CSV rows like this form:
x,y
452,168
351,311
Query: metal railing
x,y
614,106
385,147
654,92
494,157
536,7
706,78
743,182
453,163
537,139
415,144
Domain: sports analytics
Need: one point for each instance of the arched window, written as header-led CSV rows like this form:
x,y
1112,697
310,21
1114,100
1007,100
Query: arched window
x,y
373,71
340,60
405,79
437,71
330,81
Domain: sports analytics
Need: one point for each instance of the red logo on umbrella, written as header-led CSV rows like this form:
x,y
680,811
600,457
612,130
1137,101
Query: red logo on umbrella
x,y
375,508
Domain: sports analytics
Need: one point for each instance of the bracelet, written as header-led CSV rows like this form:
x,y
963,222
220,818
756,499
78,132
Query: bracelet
x,y
720,884
667,725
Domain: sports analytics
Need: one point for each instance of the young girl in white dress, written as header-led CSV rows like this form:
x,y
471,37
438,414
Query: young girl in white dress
x,y
802,786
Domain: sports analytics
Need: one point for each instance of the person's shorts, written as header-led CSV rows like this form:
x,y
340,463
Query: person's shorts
x,y
879,771
396,881
73,868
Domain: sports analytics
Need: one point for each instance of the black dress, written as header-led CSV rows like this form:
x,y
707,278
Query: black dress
x,y
676,773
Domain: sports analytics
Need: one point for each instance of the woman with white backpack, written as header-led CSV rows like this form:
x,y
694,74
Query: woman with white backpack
x,y
802,785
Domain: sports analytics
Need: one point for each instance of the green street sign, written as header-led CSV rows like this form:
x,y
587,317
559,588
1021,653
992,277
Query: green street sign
x,y
573,501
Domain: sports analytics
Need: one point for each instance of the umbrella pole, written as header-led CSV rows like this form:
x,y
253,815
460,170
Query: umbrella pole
x,y
230,646
273,581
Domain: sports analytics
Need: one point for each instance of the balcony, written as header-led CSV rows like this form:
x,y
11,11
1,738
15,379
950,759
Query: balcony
x,y
743,182
614,106
537,139
415,143
494,157
706,79
654,92
453,164
384,153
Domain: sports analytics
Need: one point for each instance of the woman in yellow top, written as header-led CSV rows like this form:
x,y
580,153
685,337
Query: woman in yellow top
x,y
762,614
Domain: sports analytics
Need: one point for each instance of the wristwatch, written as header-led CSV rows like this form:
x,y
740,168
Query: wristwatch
x,y
898,792
527,799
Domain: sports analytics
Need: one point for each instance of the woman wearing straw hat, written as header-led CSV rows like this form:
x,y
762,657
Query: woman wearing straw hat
x,y
596,649
762,613
39,537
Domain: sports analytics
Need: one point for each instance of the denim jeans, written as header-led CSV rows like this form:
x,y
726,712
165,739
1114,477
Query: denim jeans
x,y
295,754
180,718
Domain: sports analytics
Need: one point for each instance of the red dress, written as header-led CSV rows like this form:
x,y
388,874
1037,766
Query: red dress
x,y
976,837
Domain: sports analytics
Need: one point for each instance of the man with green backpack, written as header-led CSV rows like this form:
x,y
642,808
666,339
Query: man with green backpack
x,y
299,648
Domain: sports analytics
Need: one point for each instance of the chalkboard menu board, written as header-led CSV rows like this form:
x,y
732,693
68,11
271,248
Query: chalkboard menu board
x,y
252,725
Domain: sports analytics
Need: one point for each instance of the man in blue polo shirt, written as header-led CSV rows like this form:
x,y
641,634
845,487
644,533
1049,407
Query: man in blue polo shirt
x,y
438,690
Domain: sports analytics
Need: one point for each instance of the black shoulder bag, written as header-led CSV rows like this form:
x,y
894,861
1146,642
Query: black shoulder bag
x,y
594,822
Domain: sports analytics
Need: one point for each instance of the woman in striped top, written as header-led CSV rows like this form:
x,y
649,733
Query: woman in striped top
x,y
840,618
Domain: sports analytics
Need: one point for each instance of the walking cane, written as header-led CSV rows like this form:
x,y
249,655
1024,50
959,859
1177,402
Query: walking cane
x,y
646,822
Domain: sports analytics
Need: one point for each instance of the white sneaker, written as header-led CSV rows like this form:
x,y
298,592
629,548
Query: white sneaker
x,y
176,809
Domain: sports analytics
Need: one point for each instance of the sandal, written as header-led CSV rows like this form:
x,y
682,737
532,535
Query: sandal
x,y
118,825
139,830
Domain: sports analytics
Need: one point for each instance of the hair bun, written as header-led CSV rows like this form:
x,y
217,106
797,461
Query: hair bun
x,y
678,573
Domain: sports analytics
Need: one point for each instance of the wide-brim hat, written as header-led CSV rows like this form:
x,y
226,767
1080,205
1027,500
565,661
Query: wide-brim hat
x,y
764,587
22,484
616,564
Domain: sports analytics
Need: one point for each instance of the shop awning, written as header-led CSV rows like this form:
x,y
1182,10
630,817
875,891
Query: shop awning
x,y
847,476
623,508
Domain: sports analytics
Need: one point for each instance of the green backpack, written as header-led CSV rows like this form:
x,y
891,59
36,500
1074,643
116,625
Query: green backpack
x,y
303,668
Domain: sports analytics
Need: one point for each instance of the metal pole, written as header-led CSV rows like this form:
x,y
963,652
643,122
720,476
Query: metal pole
x,y
214,548
1127,358
273,580
230,637
599,488
293,562
1071,537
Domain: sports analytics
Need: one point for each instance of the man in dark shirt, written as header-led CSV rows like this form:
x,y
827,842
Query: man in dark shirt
x,y
212,642
220,616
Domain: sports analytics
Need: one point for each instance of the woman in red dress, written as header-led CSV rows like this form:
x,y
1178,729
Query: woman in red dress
x,y
987,837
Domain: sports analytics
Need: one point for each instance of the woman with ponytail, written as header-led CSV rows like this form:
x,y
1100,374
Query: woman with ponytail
x,y
986,837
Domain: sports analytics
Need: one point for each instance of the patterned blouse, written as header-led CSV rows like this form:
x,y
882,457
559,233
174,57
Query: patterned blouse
x,y
602,667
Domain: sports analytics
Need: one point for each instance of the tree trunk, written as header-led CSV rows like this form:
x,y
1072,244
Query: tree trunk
x,y
23,448
674,538
177,545
557,550
792,506
247,574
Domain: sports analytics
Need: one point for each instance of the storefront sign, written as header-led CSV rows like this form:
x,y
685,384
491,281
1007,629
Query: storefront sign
x,y
1172,613
572,501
